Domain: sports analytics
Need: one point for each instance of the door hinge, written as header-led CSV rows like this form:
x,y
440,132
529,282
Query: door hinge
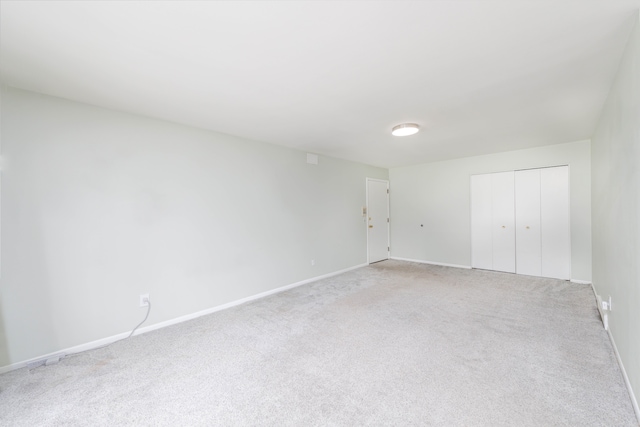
x,y
387,191
388,248
387,219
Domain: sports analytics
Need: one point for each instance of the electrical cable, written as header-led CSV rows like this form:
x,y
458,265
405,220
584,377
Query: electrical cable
x,y
63,356
143,320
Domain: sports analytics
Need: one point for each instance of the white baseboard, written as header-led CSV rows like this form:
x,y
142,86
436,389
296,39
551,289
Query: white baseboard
x,y
109,340
604,317
632,396
468,267
634,401
582,282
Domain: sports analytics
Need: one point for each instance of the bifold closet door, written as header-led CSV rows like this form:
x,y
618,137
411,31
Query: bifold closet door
x,y
554,215
503,222
528,234
492,222
520,222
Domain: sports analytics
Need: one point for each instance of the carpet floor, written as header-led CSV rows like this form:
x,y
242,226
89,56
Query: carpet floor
x,y
394,343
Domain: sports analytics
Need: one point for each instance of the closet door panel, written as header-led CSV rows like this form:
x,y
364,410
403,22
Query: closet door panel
x,y
503,222
481,224
528,243
554,208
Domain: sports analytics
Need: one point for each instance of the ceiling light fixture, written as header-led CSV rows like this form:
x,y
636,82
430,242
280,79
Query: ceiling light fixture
x,y
405,129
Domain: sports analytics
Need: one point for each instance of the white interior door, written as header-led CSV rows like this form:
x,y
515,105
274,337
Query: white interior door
x,y
377,220
528,238
503,222
555,226
481,222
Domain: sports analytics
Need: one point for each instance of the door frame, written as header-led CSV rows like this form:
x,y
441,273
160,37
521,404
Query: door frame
x,y
366,217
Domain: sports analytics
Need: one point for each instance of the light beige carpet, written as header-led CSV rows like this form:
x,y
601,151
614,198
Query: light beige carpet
x,y
394,343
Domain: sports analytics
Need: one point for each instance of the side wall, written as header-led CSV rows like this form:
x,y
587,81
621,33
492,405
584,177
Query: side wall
x,y
436,196
616,210
100,206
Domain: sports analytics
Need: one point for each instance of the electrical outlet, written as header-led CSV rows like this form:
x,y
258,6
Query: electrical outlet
x,y
144,300
313,262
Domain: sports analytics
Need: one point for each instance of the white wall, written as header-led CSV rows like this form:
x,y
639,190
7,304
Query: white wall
x,y
437,196
99,206
616,208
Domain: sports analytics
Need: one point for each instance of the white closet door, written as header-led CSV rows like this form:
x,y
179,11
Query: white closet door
x,y
481,224
528,246
554,208
503,227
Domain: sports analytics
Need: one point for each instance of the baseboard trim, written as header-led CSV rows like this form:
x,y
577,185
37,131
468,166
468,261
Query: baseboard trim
x,y
442,264
581,282
40,360
607,327
634,401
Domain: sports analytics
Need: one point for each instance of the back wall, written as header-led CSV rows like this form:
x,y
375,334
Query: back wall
x,y
437,196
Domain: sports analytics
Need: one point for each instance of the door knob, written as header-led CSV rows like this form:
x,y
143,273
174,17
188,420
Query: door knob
x,y
527,227
504,226
371,226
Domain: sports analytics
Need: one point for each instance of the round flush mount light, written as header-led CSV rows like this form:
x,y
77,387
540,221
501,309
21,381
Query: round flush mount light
x,y
405,129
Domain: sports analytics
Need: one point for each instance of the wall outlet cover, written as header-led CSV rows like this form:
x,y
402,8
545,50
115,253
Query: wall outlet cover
x,y
143,300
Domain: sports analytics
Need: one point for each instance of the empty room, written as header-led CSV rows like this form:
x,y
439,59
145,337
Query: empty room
x,y
320,213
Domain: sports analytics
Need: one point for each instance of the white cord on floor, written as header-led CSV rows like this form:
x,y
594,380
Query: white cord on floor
x,y
145,318
121,339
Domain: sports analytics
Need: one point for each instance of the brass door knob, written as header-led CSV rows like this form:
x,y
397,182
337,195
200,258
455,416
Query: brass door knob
x,y
527,227
371,226
504,226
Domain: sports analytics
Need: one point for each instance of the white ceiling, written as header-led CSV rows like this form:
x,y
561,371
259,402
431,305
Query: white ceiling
x,y
333,77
